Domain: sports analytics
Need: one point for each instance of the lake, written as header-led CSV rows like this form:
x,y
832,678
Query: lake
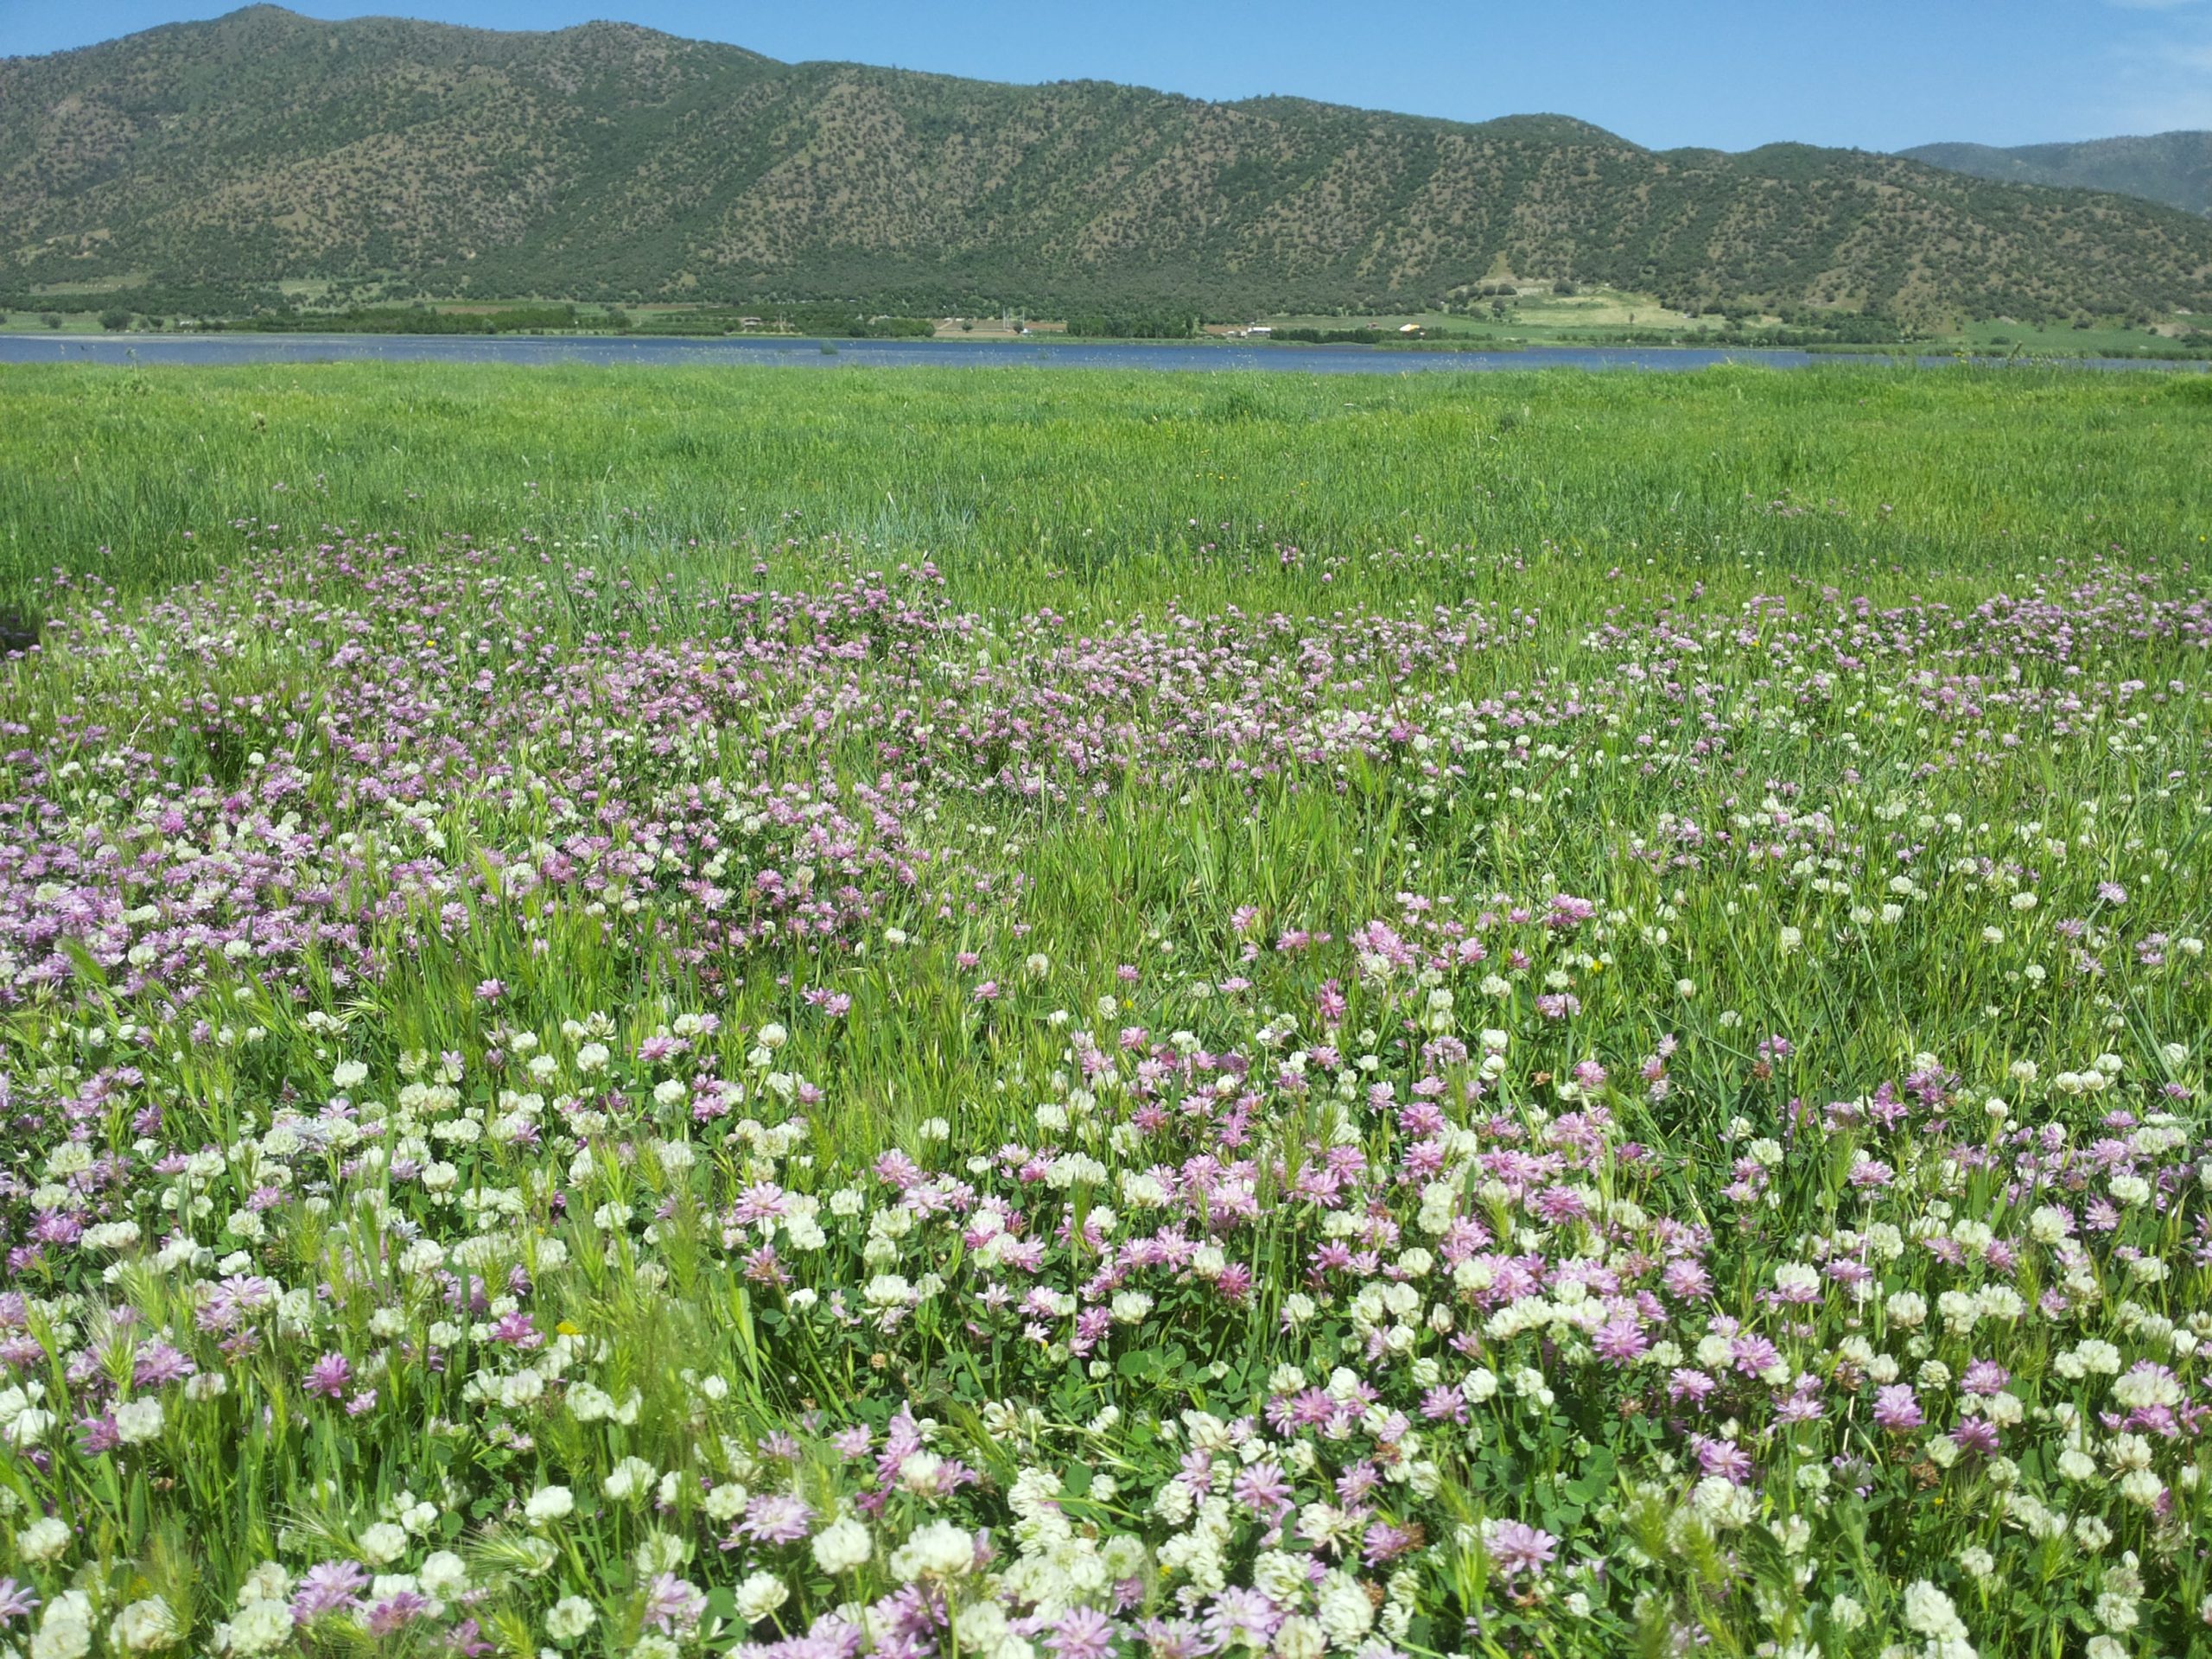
x,y
912,354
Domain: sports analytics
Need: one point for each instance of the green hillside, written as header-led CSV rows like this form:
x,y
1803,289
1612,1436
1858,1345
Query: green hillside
x,y
611,162
2174,168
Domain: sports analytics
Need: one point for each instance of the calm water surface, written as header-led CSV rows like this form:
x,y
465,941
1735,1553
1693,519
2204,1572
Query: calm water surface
x,y
905,354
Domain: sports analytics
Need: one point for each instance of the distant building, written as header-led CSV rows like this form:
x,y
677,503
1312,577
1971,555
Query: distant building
x,y
1409,327
1260,328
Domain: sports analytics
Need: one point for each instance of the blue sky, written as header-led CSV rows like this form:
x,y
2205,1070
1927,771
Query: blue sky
x,y
1877,73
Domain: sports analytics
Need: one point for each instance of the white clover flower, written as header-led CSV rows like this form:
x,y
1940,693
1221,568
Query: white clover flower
x,y
382,1543
919,1471
65,1631
660,1551
939,1549
137,1422
348,1074
145,1627
1797,1277
443,1575
2130,1190
1129,1307
888,1290
548,1504
629,1478
2141,1487
1342,1610
43,1540
2147,1385
1930,1611
260,1626
760,1596
569,1618
727,1501
267,1582
588,1403
1722,1504
842,1546
2092,1354
423,1257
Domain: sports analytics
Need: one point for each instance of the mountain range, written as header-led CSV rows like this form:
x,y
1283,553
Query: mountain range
x,y
2175,167
609,162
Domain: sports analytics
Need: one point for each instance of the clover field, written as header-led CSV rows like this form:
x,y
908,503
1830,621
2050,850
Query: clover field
x,y
1511,1015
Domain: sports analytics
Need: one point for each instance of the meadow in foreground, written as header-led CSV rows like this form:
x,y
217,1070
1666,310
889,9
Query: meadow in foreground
x,y
557,1109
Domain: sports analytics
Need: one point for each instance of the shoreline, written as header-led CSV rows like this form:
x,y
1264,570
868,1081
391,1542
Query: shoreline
x,y
244,346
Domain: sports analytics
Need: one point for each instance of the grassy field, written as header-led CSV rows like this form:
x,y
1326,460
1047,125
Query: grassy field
x,y
1537,317
1597,315
2065,340
1041,483
1068,1016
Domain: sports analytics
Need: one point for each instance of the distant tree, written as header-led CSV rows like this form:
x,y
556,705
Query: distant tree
x,y
51,319
115,322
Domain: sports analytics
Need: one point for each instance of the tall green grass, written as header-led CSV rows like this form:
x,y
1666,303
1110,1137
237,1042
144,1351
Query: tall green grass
x,y
1033,485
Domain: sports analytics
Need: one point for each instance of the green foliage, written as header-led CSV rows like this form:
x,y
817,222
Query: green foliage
x,y
419,320
156,298
611,164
